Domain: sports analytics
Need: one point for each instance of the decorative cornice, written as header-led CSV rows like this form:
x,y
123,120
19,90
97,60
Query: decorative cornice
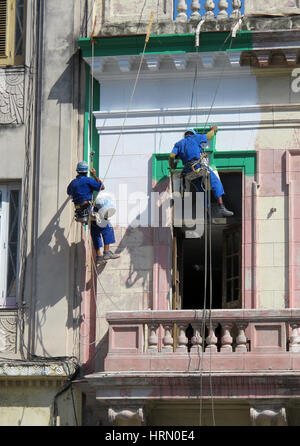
x,y
259,49
21,369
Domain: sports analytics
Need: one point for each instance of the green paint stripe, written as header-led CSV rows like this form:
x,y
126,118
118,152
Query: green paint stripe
x,y
86,112
244,160
167,43
96,106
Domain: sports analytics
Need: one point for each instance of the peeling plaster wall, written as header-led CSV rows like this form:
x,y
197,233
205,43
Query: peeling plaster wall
x,y
21,405
272,143
272,7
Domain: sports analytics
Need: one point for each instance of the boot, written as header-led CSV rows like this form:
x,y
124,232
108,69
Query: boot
x,y
100,260
223,212
110,255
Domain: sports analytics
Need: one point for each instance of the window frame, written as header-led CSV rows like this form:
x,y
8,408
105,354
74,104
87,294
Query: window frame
x,y
228,235
6,188
10,58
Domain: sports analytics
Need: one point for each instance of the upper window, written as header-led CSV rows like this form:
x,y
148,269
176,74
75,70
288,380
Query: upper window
x,y
12,32
9,243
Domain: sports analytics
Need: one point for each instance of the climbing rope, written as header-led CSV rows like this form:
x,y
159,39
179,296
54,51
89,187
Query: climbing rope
x,y
207,233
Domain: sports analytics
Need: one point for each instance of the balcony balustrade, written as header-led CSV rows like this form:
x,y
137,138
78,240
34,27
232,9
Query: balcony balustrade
x,y
194,10
219,340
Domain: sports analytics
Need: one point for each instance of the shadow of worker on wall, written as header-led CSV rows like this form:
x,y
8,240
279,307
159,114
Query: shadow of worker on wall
x,y
148,243
54,281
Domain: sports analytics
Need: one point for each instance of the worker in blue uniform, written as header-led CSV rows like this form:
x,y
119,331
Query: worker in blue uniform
x,y
189,150
81,190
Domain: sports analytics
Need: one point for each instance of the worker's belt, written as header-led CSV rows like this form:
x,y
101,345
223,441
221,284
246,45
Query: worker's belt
x,y
201,171
82,211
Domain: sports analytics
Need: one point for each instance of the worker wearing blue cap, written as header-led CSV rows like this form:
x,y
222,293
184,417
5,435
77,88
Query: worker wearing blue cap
x,y
81,190
189,151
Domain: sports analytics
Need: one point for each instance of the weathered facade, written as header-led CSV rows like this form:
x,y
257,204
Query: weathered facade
x,y
135,342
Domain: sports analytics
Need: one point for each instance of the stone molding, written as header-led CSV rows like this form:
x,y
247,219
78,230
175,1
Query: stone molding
x,y
113,388
22,369
252,22
11,96
262,116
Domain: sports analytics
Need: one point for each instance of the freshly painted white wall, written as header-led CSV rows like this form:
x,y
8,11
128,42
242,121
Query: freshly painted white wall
x,y
161,109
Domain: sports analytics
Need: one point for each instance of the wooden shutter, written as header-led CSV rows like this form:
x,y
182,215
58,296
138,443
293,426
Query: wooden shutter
x,y
12,32
3,28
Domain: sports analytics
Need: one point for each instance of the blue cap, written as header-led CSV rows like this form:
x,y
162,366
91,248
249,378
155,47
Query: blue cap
x,y
190,131
82,167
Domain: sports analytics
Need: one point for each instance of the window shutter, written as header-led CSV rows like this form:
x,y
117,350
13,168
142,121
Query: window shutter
x,y
3,28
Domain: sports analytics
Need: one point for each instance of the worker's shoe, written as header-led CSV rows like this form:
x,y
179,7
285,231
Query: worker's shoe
x,y
100,260
110,255
223,212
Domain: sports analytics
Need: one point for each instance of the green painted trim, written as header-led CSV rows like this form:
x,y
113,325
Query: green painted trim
x,y
244,160
166,43
96,107
87,133
86,113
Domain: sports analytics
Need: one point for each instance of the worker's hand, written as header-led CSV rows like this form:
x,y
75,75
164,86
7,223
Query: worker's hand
x,y
173,164
214,128
93,172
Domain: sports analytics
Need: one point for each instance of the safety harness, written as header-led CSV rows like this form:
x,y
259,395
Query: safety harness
x,y
202,171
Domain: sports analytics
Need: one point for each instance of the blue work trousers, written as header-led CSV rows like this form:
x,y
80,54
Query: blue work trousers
x,y
106,233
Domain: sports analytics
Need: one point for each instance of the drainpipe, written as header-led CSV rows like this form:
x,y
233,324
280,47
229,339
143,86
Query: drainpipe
x,y
198,32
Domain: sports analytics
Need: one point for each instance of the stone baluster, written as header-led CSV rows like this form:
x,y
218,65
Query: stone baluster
x,y
226,339
266,413
132,415
209,7
182,340
153,339
196,339
181,8
211,340
236,6
195,7
294,344
167,339
241,340
223,5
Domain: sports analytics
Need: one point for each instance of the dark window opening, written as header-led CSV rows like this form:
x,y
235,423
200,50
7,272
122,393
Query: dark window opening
x,y
193,273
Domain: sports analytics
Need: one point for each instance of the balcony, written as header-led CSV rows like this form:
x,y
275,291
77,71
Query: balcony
x,y
175,341
182,16
192,10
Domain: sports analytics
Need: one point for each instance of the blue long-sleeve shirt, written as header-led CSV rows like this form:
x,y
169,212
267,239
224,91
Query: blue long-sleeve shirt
x,y
190,147
82,188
